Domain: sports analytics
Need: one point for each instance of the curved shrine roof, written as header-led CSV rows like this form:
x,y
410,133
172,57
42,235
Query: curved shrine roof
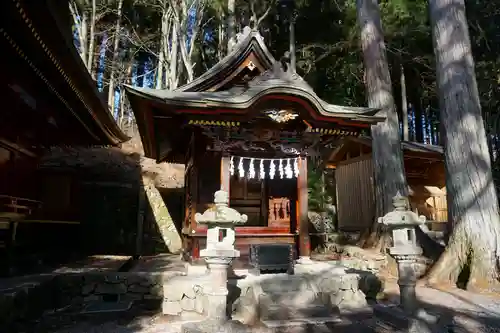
x,y
276,80
271,82
220,89
40,31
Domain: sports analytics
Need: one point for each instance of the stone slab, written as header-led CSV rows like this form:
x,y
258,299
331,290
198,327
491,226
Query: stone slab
x,y
421,322
103,307
308,312
232,326
159,263
97,263
302,321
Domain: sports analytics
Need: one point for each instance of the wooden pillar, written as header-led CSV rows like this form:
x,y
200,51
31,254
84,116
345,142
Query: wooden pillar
x,y
303,220
193,187
224,173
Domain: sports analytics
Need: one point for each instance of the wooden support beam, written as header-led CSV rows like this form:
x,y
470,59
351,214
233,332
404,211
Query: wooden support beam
x,y
303,220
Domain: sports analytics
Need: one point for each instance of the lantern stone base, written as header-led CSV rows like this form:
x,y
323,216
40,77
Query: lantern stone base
x,y
305,260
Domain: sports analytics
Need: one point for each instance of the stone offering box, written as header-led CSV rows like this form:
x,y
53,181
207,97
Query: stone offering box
x,y
274,258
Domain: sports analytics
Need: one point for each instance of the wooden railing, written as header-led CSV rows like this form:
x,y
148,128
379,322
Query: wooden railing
x,y
18,206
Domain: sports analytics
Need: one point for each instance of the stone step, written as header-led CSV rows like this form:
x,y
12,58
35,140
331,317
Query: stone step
x,y
323,325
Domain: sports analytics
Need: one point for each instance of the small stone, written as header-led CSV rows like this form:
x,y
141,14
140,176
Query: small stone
x,y
329,285
77,300
171,308
353,300
114,278
349,282
147,296
156,290
199,304
136,288
146,282
113,289
188,304
172,294
88,289
132,297
91,298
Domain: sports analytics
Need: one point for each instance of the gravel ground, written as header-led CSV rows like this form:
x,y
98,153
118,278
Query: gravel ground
x,y
462,311
160,324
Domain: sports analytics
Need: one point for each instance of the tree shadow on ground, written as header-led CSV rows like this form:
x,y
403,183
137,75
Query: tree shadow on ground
x,y
451,318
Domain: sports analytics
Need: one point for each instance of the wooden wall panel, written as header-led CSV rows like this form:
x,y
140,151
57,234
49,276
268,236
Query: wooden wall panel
x,y
355,200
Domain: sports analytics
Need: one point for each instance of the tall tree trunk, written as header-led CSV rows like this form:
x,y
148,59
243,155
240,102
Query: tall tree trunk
x,y
160,69
415,95
231,25
122,109
164,47
113,65
472,200
80,20
161,66
389,176
221,46
174,54
185,22
404,105
91,51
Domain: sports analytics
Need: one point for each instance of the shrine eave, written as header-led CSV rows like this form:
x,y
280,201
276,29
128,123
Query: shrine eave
x,y
250,42
239,103
41,34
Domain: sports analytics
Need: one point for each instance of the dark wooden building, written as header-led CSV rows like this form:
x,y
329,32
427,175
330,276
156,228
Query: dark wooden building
x,y
247,126
48,100
353,164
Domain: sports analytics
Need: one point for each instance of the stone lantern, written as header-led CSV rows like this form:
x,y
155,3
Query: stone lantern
x,y
405,249
220,221
218,254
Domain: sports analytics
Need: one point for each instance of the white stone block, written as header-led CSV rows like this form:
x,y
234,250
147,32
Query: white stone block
x,y
172,308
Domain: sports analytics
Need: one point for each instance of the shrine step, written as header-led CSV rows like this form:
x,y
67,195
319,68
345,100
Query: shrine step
x,y
293,298
306,313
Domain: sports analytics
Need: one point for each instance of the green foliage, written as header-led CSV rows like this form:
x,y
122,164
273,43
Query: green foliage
x,y
316,188
329,56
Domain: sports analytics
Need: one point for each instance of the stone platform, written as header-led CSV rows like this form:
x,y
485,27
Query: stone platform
x,y
212,326
316,294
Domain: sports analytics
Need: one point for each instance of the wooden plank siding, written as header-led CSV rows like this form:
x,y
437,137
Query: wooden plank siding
x,y
355,201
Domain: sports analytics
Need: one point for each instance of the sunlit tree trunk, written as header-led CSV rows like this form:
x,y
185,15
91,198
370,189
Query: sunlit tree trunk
x,y
114,61
389,176
472,200
231,25
164,32
91,50
404,105
173,56
80,19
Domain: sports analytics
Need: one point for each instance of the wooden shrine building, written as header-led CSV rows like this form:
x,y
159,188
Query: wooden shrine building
x,y
353,164
48,100
48,96
246,126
